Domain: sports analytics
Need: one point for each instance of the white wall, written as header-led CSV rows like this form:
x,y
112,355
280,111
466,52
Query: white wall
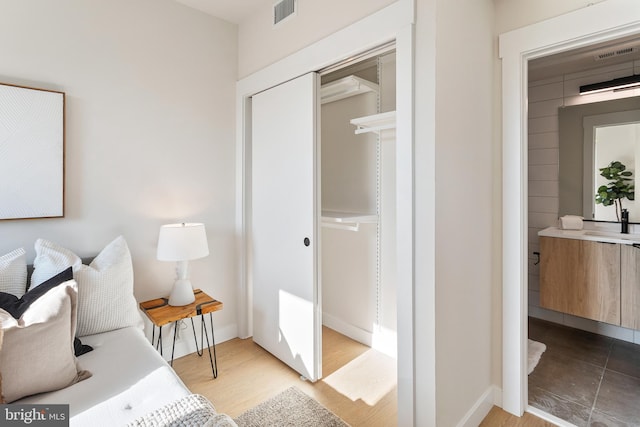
x,y
512,14
149,130
261,44
464,203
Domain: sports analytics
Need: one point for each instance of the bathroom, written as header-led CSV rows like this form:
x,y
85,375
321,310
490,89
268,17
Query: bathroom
x,y
589,371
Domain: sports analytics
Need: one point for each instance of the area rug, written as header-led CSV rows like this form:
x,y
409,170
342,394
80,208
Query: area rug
x,y
291,408
535,351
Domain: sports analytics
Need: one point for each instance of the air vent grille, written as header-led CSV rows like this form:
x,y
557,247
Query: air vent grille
x,y
283,10
615,53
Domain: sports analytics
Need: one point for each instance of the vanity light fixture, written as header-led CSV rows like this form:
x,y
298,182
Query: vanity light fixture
x,y
628,82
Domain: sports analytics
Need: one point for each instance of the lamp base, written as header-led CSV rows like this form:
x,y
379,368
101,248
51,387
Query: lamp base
x,y
182,293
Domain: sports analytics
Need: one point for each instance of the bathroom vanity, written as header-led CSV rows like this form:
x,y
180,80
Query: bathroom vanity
x,y
593,274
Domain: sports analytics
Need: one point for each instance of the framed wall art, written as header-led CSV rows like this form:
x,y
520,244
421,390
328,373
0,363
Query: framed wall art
x,y
31,153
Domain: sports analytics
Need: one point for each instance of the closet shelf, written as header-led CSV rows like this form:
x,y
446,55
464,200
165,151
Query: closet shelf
x,y
347,220
375,123
345,87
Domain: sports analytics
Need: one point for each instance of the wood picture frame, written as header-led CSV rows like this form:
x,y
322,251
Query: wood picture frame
x,y
32,141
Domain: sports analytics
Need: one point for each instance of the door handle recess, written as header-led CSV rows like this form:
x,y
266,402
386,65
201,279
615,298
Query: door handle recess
x,y
306,241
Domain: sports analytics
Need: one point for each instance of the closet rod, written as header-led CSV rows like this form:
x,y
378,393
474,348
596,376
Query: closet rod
x,y
378,50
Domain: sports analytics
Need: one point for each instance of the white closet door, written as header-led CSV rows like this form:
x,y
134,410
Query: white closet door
x,y
286,303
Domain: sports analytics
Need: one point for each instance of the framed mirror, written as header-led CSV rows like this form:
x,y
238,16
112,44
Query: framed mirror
x,y
610,137
581,155
31,153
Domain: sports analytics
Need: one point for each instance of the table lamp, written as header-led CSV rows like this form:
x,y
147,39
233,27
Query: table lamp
x,y
181,243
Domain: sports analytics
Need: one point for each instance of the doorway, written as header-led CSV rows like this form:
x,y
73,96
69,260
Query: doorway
x,y
343,276
516,49
392,23
358,176
586,363
346,269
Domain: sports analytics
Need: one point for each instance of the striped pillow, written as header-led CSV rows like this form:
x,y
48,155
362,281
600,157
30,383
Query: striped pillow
x,y
105,287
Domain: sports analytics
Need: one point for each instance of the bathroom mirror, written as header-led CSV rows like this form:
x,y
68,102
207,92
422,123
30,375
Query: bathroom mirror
x,y
591,136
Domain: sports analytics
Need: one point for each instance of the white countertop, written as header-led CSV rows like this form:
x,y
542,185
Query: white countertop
x,y
592,234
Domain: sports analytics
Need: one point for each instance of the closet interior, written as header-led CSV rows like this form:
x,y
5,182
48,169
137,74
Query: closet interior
x,y
358,249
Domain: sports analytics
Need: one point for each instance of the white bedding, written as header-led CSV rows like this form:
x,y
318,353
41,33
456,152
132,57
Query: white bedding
x,y
129,379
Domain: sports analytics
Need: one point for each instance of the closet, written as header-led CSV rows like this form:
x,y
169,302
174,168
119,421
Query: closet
x,y
322,212
357,186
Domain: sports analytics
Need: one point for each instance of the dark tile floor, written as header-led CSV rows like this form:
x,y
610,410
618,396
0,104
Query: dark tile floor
x,y
585,378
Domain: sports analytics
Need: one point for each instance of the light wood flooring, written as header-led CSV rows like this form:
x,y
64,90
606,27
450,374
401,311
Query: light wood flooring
x,y
499,418
363,392
358,384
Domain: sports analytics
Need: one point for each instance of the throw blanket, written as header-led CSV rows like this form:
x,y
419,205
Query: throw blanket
x,y
192,410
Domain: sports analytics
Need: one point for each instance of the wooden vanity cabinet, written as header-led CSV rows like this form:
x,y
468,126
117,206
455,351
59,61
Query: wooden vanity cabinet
x,y
582,278
630,287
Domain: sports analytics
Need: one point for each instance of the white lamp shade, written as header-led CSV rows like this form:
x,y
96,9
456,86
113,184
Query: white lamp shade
x,y
182,242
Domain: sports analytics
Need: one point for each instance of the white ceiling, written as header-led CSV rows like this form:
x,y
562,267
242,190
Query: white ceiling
x,y
584,58
229,10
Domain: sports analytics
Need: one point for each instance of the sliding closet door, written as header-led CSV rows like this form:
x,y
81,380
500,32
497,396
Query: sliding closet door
x,y
286,303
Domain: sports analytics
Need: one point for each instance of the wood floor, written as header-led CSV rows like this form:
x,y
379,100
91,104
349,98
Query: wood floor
x,y
499,418
358,385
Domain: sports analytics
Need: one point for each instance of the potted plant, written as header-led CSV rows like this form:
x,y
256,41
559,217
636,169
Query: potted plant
x,y
620,186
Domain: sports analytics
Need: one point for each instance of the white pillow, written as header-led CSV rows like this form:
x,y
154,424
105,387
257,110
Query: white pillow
x,y
37,350
105,287
13,272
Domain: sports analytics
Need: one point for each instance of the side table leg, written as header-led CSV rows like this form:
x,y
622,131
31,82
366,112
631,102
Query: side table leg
x,y
199,350
203,329
175,332
159,343
214,361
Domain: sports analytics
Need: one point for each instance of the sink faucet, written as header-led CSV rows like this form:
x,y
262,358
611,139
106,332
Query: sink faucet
x,y
625,222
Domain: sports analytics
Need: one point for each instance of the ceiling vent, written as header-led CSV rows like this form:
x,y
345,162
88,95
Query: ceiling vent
x,y
284,10
608,54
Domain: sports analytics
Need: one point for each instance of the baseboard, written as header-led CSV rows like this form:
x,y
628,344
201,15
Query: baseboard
x,y
497,396
347,329
382,339
481,408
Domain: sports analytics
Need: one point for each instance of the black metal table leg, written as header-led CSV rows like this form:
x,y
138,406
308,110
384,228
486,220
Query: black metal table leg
x,y
214,362
175,332
203,331
198,350
159,343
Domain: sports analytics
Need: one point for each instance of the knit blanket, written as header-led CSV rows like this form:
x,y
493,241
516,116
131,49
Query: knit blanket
x,y
192,410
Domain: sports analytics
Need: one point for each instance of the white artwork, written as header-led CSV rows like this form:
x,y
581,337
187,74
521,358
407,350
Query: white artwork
x,y
31,153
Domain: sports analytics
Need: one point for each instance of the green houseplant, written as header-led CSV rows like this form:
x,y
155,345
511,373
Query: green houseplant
x,y
620,186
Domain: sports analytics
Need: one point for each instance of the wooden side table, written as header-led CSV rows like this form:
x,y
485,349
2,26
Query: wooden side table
x,y
160,313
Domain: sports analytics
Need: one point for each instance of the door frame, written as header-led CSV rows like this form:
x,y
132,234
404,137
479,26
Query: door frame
x,y
394,22
603,21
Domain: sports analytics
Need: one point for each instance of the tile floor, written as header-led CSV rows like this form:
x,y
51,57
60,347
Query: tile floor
x,y
585,378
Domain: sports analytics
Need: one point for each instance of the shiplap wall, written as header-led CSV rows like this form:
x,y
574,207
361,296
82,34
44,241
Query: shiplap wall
x,y
545,97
